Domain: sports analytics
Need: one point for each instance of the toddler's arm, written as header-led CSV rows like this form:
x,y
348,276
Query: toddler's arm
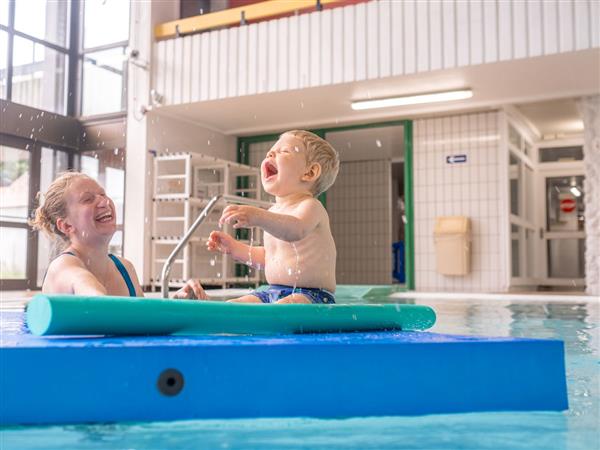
x,y
287,227
222,242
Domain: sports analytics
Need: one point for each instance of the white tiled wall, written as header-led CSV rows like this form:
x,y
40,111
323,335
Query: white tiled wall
x,y
359,209
472,189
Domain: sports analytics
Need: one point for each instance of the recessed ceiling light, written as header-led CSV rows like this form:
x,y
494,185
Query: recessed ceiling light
x,y
413,99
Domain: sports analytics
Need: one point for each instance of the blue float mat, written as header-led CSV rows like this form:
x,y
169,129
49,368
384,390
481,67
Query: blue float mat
x,y
49,380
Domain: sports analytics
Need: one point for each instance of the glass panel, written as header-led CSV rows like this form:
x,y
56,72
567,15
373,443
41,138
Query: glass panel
x,y
115,189
99,13
14,183
514,138
4,12
516,269
44,19
13,257
529,194
514,170
565,204
3,61
53,162
89,165
566,258
105,69
38,76
561,154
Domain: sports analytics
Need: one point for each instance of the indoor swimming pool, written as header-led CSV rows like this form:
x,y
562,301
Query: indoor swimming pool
x,y
573,321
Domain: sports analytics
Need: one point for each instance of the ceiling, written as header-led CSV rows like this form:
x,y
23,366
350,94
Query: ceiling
x,y
542,88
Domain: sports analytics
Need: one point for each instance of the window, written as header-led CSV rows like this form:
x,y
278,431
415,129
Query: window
x,y
46,20
39,77
106,69
14,206
557,154
14,184
37,33
104,61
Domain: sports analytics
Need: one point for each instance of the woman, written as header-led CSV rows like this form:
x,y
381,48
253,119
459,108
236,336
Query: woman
x,y
77,212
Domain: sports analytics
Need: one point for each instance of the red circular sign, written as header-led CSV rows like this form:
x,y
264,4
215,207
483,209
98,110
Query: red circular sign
x,y
567,205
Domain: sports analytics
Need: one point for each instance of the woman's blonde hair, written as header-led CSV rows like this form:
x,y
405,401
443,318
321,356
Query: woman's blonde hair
x,y
53,205
319,151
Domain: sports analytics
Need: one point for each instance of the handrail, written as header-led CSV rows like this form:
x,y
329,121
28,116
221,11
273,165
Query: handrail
x,y
166,270
233,16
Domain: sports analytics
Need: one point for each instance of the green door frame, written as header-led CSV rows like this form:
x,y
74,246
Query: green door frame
x,y
243,156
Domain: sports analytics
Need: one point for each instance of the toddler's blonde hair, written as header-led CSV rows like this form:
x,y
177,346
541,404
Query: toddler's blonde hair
x,y
319,151
53,206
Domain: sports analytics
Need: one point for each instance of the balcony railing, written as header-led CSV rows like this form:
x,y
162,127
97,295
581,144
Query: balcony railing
x,y
363,41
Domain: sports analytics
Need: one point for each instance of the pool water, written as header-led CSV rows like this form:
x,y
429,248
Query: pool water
x,y
576,323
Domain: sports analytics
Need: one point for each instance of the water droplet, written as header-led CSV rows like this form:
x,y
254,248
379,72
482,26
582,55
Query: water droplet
x,y
20,115
116,151
209,142
212,262
378,143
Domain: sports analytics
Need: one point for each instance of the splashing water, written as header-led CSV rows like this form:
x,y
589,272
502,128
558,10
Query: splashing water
x,y
249,262
212,262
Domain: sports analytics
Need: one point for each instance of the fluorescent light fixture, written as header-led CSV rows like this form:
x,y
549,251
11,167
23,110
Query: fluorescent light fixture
x,y
575,191
413,99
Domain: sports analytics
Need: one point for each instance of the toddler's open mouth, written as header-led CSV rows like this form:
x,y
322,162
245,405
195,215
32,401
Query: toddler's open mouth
x,y
269,170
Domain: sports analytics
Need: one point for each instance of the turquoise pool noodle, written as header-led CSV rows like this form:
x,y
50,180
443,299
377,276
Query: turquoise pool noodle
x,y
107,315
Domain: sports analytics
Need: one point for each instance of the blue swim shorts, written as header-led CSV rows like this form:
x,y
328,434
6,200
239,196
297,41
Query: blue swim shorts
x,y
276,292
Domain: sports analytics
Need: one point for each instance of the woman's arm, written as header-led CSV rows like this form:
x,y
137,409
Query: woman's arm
x,y
70,276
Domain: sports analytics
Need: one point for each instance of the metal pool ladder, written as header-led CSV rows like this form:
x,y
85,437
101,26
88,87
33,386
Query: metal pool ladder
x,y
166,270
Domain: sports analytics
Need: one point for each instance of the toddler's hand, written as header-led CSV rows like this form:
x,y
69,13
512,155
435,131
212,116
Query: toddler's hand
x,y
219,241
240,215
192,289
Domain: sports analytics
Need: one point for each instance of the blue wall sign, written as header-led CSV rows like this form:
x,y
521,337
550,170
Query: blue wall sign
x,y
456,159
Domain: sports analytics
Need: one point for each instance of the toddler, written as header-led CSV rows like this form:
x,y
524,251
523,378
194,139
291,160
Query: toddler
x,y
299,252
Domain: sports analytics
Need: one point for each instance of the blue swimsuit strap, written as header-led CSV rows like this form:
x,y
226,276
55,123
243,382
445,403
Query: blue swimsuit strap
x,y
124,274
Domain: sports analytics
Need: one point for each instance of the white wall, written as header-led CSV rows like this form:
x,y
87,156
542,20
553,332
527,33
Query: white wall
x,y
474,189
167,134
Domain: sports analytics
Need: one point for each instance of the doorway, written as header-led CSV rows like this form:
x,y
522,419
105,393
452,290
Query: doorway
x,y
394,141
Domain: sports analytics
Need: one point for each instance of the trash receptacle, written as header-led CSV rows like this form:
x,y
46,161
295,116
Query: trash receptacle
x,y
452,238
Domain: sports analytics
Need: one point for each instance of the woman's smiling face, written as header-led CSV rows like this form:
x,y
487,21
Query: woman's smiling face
x,y
90,212
283,167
